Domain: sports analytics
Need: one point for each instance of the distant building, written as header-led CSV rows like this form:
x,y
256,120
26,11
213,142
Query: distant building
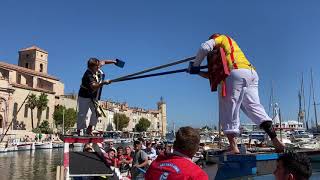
x,y
31,76
157,117
17,81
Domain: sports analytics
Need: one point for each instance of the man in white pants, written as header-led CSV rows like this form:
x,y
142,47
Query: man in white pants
x,y
90,91
240,90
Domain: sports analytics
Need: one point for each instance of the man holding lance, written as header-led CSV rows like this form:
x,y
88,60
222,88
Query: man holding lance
x,y
90,93
237,90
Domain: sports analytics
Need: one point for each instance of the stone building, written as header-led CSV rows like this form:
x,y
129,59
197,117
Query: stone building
x,y
17,81
157,117
31,76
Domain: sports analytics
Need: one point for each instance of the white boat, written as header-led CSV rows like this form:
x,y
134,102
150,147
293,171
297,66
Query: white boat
x,y
206,139
3,149
78,144
126,140
311,145
57,144
282,136
33,147
24,146
12,148
43,145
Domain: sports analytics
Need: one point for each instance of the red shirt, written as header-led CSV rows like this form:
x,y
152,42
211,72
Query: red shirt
x,y
127,157
173,167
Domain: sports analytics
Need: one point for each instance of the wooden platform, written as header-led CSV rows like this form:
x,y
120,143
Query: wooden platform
x,y
235,166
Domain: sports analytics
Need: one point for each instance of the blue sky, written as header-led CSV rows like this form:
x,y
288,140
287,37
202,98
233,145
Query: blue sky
x,y
280,38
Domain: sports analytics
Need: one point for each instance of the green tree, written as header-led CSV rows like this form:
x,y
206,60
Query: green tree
x,y
45,127
142,125
42,103
70,116
121,121
32,103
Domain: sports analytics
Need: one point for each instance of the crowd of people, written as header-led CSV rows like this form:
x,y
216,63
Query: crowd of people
x,y
133,160
154,160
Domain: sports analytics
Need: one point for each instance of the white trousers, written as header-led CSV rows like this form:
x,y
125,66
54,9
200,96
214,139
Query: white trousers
x,y
87,113
242,93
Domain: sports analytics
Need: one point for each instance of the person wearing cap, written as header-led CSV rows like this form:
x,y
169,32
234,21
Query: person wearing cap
x,y
238,91
178,165
90,91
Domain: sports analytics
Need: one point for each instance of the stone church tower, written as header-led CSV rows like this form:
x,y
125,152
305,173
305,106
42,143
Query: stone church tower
x,y
162,107
34,58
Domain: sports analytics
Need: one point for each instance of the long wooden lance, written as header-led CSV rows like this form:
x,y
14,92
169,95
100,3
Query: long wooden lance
x,y
152,75
154,68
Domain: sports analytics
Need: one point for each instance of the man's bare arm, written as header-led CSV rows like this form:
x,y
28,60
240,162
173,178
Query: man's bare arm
x,y
104,62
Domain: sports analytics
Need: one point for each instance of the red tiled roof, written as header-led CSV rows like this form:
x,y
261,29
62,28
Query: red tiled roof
x,y
25,70
33,48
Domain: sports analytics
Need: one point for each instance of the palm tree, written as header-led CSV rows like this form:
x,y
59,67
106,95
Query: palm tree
x,y
42,104
32,103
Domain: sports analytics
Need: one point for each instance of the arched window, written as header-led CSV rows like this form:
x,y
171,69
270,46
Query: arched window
x,y
1,121
41,67
47,113
26,110
15,109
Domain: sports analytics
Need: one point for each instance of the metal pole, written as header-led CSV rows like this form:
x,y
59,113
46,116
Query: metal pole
x,y
314,102
156,68
63,120
280,119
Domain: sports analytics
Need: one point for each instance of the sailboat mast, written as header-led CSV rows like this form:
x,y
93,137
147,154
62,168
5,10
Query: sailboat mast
x,y
301,112
314,102
271,101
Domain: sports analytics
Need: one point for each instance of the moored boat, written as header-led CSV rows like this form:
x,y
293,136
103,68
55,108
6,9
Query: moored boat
x,y
57,144
43,145
24,146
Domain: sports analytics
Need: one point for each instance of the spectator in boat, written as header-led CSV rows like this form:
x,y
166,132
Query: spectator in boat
x,y
151,152
178,165
168,149
239,90
111,146
160,149
140,161
123,160
110,158
89,93
120,156
293,166
88,148
129,154
143,143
